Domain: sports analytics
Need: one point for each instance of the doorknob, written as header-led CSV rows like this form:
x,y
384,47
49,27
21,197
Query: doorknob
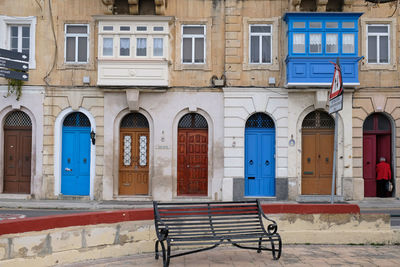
x,y
327,159
251,162
68,170
267,162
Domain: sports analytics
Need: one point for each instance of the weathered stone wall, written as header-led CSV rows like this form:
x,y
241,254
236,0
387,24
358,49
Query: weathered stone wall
x,y
78,243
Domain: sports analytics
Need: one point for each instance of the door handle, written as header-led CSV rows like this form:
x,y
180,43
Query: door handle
x,y
327,159
187,166
251,178
68,170
251,163
368,162
267,162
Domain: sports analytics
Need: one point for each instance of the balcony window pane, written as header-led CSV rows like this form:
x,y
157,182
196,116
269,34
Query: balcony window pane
x,y
315,25
107,46
255,49
158,47
331,25
124,46
125,28
383,49
315,43
70,49
82,49
141,28
348,43
266,49
141,46
158,29
299,43
372,49
348,25
108,28
187,50
199,50
299,25
331,43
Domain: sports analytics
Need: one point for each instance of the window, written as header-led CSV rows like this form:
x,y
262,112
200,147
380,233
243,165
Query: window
x,y
260,43
108,46
141,47
18,34
378,44
158,47
76,43
315,43
124,46
331,43
193,44
299,43
19,38
348,43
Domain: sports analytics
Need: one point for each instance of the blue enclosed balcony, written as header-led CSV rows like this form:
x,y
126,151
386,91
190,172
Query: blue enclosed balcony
x,y
317,39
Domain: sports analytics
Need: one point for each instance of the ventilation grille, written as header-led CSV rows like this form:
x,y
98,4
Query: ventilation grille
x,y
318,119
134,120
193,120
18,119
76,119
260,120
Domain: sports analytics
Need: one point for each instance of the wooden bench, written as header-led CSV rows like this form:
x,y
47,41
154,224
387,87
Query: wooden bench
x,y
202,226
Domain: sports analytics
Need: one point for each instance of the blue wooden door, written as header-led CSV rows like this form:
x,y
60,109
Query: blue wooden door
x,y
75,167
260,162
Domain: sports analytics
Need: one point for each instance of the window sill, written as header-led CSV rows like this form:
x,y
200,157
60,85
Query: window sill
x,y
368,66
274,66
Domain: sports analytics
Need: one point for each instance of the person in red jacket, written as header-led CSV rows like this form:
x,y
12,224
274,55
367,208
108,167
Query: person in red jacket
x,y
383,174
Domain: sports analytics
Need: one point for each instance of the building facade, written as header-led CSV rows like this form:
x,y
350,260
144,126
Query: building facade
x,y
198,99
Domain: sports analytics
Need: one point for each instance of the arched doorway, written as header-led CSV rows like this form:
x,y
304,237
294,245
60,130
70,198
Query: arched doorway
x,y
75,162
192,155
260,156
317,153
134,155
376,143
17,153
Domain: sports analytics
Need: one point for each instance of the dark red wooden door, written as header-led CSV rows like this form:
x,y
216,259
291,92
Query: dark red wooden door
x,y
17,160
192,162
369,164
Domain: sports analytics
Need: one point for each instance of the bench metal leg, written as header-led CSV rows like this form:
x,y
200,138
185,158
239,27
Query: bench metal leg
x,y
274,250
166,253
156,250
259,245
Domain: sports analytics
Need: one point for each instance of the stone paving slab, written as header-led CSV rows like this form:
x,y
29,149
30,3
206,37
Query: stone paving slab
x,y
293,255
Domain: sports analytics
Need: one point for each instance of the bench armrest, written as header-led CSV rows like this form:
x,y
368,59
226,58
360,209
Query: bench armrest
x,y
163,232
272,227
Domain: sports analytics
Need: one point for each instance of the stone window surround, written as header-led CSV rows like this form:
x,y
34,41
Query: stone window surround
x,y
392,43
61,64
247,21
178,44
4,38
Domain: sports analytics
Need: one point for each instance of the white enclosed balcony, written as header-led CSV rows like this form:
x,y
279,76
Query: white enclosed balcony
x,y
133,50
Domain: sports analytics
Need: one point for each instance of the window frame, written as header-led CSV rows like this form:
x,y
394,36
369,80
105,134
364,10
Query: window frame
x,y
193,37
5,26
324,30
378,35
260,35
76,36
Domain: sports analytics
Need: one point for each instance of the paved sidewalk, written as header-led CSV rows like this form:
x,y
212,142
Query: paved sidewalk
x,y
293,255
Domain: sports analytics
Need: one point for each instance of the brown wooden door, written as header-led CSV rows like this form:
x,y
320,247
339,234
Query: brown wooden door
x,y
192,162
17,160
134,162
317,159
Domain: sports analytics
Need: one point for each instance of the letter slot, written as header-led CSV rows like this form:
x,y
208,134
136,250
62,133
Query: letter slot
x,y
251,178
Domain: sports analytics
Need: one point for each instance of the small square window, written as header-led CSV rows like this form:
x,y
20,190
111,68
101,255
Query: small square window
x,y
299,25
315,24
158,29
108,28
331,25
348,25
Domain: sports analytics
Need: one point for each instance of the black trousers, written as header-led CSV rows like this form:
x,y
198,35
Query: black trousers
x,y
381,188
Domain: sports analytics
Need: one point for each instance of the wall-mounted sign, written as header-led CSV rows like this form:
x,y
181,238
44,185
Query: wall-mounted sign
x,y
8,67
14,74
14,55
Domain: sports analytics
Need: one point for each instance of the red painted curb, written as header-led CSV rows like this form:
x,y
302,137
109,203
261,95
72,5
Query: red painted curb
x,y
104,217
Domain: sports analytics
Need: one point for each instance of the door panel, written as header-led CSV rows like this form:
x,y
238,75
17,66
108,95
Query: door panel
x,y
134,166
17,162
383,148
260,162
75,167
317,161
192,162
369,165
